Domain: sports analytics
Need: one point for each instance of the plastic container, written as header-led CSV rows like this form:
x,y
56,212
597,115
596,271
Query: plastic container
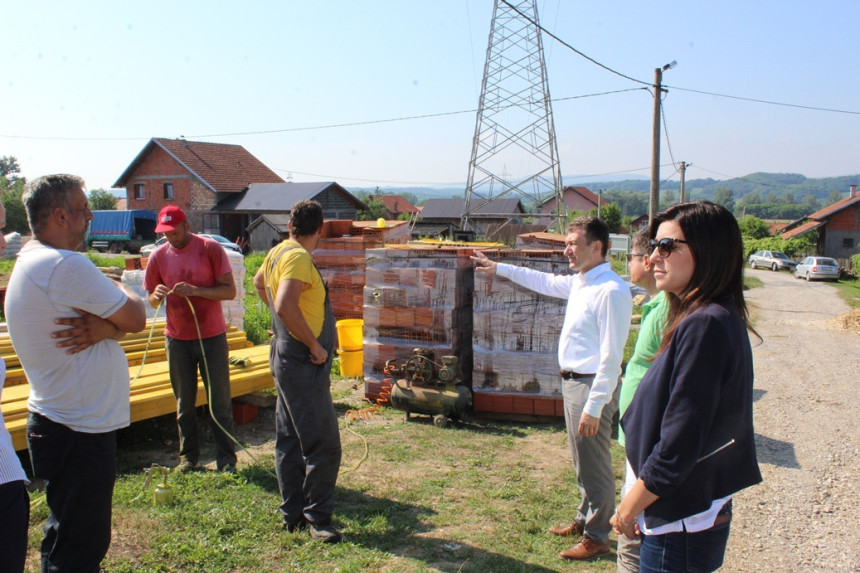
x,y
351,363
350,334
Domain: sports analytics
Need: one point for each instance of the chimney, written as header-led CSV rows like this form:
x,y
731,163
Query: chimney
x,y
852,191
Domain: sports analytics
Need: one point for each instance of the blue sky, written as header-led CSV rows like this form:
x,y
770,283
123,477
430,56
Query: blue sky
x,y
86,84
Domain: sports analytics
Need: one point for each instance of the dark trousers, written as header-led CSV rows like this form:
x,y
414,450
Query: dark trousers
x,y
79,470
14,521
684,552
185,359
307,447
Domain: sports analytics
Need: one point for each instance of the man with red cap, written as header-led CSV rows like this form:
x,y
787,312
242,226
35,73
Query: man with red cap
x,y
193,269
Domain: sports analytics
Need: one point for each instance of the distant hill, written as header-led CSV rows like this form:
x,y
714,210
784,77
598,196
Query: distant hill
x,y
766,195
419,192
780,184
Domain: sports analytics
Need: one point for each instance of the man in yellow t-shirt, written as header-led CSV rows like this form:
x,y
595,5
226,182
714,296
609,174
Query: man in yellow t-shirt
x,y
307,446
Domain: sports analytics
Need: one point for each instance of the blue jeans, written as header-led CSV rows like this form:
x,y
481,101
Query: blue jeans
x,y
79,470
684,552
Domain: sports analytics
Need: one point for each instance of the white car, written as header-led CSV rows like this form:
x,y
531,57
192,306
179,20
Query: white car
x,y
818,268
146,250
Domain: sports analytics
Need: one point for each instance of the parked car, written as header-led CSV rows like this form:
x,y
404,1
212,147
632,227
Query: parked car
x,y
818,268
773,260
146,250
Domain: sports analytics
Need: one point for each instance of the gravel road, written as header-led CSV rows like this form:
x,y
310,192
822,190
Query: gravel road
x,y
805,516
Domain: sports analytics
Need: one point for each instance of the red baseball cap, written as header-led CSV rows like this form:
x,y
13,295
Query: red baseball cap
x,y
169,218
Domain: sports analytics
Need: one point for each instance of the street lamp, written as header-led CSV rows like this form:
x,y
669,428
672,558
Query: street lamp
x,y
654,201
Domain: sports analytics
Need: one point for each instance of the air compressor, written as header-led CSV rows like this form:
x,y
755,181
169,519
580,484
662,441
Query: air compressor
x,y
424,386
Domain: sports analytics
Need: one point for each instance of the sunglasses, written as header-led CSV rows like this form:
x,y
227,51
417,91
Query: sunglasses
x,y
631,256
665,245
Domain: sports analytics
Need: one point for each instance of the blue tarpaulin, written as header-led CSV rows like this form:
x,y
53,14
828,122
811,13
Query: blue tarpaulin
x,y
117,224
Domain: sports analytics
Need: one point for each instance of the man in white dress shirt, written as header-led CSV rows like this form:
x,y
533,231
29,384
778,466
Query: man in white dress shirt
x,y
590,350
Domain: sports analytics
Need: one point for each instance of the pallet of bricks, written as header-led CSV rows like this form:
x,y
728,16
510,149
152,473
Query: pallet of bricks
x,y
516,332
416,298
340,259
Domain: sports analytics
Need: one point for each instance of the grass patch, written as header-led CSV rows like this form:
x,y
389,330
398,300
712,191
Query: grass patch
x,y
475,496
752,282
849,290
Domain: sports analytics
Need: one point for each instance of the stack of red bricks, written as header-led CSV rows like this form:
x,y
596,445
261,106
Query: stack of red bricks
x,y
416,298
340,259
516,334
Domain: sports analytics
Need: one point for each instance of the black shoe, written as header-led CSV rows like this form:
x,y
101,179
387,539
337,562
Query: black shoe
x,y
295,525
325,533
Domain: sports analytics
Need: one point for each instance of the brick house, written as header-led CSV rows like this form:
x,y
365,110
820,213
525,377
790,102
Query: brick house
x,y
575,198
838,227
396,205
195,176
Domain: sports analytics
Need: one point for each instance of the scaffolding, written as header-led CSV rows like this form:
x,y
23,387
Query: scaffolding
x,y
514,128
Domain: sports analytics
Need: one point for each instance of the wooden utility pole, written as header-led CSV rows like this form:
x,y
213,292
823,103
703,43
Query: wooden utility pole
x,y
654,202
683,197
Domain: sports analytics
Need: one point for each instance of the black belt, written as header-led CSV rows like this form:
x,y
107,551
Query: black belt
x,y
571,375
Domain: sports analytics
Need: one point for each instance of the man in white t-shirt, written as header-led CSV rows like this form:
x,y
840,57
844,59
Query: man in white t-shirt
x,y
78,398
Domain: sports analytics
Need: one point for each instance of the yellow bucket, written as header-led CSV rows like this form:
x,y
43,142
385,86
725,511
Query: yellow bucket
x,y
351,363
350,334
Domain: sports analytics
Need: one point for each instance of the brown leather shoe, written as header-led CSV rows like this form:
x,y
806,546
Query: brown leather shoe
x,y
566,530
585,549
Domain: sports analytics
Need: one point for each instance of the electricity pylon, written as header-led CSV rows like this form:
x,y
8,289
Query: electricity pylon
x,y
514,131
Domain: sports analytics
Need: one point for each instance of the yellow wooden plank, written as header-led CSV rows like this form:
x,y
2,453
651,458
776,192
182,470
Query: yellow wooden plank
x,y
151,394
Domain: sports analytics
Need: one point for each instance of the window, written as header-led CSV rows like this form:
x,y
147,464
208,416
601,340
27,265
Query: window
x,y
848,243
139,191
168,191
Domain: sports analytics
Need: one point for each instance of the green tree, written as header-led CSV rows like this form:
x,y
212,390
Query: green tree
x,y
810,204
9,167
375,210
16,215
101,200
754,228
611,215
725,197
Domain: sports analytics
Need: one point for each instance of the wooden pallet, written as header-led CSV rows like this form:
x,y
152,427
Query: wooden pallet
x,y
150,394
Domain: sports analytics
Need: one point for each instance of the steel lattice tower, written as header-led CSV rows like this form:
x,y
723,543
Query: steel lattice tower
x,y
514,131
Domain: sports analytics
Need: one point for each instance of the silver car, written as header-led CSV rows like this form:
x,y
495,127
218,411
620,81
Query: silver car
x,y
146,250
773,260
817,268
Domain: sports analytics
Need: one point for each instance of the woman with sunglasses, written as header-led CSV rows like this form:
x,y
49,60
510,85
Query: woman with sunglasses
x,y
689,428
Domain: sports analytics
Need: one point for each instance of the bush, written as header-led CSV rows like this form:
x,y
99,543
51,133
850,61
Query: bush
x,y
855,264
794,247
258,319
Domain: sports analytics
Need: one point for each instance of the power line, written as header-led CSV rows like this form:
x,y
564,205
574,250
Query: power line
x,y
306,128
741,98
568,46
769,102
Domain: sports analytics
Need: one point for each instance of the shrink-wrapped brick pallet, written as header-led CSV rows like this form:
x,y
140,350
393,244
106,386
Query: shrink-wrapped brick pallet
x,y
416,298
340,259
516,332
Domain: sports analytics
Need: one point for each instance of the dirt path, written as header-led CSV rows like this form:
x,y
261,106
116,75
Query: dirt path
x,y
805,516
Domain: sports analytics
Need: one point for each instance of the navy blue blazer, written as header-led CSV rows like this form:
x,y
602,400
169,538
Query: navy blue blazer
x,y
689,429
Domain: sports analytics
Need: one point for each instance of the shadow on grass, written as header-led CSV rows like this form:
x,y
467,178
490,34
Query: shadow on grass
x,y
402,530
